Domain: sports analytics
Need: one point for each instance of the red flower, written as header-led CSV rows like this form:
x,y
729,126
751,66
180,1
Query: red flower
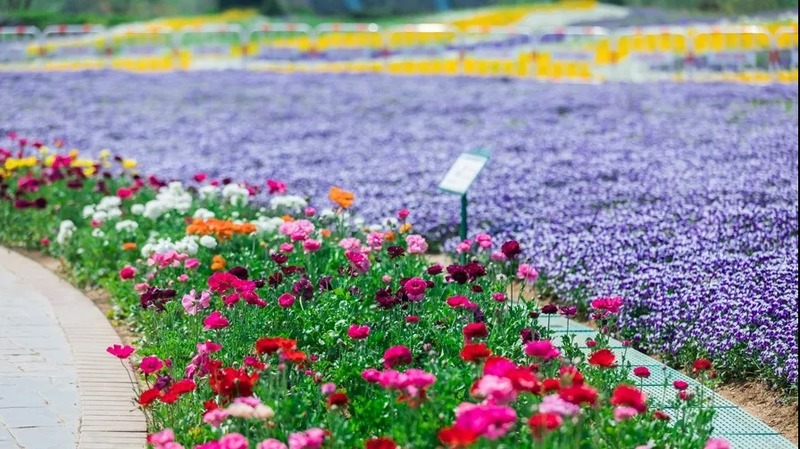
x,y
183,386
551,385
542,423
661,415
523,379
147,397
579,395
455,437
702,365
629,396
475,352
293,356
570,375
475,330
680,385
603,358
381,443
231,383
641,372
271,345
395,356
338,399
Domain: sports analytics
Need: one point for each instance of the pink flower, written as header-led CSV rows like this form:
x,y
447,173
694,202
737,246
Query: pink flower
x,y
610,305
328,389
193,304
121,352
183,278
163,437
311,245
200,177
127,272
461,301
124,193
351,244
216,321
357,332
271,443
151,364
286,300
490,421
499,297
375,240
276,186
554,404
464,247
717,443
371,375
310,212
497,390
215,417
415,289
527,273
498,256
543,349
484,240
287,247
191,264
386,279
358,260
310,439
233,441
416,244
44,241
623,413
402,214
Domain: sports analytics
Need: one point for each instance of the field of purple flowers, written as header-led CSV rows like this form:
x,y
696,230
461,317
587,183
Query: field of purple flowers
x,y
681,198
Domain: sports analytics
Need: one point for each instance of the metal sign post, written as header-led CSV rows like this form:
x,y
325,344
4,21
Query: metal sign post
x,y
458,180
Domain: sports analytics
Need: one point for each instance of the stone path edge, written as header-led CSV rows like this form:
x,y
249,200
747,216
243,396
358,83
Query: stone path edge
x,y
108,417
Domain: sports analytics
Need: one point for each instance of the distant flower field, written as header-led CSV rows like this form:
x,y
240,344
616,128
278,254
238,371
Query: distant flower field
x,y
681,198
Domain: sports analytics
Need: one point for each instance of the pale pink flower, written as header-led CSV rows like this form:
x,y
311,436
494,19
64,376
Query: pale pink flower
x,y
215,417
416,244
498,256
554,404
328,389
183,278
484,240
375,240
193,304
498,390
163,437
717,443
191,264
351,244
233,441
271,443
464,247
310,439
623,413
527,273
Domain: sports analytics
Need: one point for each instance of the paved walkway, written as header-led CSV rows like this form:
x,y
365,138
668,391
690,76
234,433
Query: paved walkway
x,y
59,389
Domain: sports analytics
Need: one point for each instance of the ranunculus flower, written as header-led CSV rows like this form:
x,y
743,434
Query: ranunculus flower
x,y
121,352
193,303
286,300
396,356
416,244
624,413
357,332
475,330
271,443
626,395
680,385
415,289
717,443
358,260
702,365
511,249
641,372
163,437
475,352
311,245
216,321
150,364
234,441
276,186
543,349
127,272
527,273
603,358
541,423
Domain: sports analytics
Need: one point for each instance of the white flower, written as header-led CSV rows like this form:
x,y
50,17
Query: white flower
x,y
171,197
137,209
187,245
207,241
327,213
292,202
126,226
235,194
88,211
203,214
65,230
109,202
266,225
208,192
98,233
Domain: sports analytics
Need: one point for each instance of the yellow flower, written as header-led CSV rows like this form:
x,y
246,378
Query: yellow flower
x,y
44,151
48,161
405,228
73,153
105,154
130,164
14,163
89,171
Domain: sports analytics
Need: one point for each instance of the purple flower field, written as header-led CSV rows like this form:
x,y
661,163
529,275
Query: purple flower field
x,y
682,198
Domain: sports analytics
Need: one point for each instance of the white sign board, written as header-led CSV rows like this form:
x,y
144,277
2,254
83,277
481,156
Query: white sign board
x,y
463,172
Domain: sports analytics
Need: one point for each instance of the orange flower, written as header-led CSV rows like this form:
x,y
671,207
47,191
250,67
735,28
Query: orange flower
x,y
287,218
342,198
405,228
326,233
223,229
389,236
218,263
130,246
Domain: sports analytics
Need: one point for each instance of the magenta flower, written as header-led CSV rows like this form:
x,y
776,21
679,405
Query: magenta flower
x,y
717,443
216,321
484,240
127,272
415,289
191,264
163,437
310,439
234,441
402,214
396,356
151,364
121,352
311,245
610,305
357,332
276,187
358,260
543,349
286,300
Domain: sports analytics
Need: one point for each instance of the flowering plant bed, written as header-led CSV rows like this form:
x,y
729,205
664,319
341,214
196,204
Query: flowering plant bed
x,y
277,324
